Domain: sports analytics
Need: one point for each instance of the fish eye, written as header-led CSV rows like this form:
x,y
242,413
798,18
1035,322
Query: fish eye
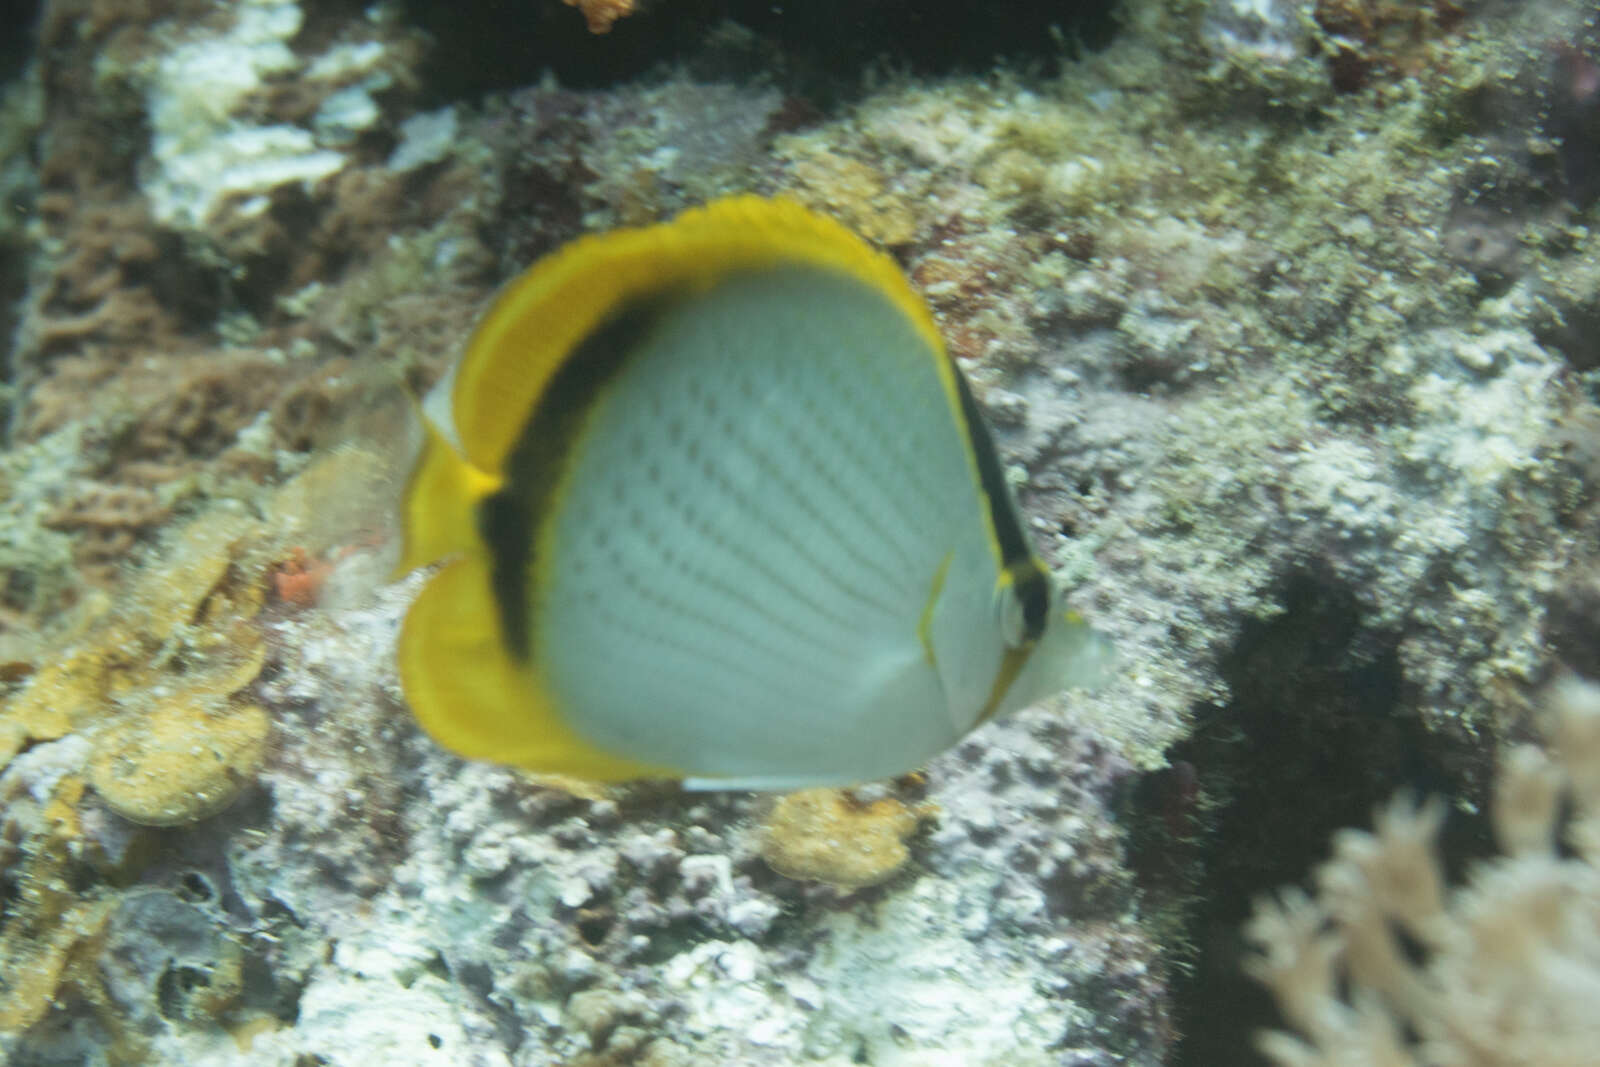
x,y
1009,615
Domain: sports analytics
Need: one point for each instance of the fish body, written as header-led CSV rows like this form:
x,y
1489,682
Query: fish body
x,y
715,504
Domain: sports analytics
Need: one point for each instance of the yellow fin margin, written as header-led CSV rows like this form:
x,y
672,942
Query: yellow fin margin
x,y
544,314
440,505
476,701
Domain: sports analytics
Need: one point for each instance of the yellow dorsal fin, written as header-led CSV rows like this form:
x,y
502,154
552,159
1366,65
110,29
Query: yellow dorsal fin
x,y
542,316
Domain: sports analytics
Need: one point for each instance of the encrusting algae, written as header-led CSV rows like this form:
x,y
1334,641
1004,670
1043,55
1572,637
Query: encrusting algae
x,y
173,656
150,706
826,835
178,762
153,684
49,930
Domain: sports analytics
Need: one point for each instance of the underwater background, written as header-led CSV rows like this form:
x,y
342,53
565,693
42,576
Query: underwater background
x,y
1286,318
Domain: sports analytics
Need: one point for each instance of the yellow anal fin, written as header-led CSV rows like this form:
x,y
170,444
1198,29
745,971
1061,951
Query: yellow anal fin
x,y
474,699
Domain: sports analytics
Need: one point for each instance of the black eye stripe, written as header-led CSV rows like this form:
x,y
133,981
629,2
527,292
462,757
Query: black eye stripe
x,y
508,519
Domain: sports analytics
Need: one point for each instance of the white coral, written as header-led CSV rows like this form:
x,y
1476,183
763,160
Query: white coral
x,y
1511,974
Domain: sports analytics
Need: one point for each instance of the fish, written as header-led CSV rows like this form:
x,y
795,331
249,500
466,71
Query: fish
x,y
708,500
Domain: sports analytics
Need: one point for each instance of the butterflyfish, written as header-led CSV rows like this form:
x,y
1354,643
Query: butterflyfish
x,y
713,503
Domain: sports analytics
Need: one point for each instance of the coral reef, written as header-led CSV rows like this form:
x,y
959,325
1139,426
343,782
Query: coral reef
x,y
1282,313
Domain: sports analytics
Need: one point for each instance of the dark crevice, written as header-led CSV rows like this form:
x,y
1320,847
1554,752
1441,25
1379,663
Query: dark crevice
x,y
21,22
819,48
1317,735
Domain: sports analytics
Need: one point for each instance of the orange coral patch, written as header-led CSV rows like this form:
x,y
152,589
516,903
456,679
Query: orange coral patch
x,y
299,579
600,14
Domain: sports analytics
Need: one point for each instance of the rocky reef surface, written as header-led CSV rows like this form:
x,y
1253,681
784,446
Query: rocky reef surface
x,y
1287,317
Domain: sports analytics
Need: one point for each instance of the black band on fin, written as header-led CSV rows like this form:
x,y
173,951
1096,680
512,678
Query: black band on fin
x,y
509,520
1016,557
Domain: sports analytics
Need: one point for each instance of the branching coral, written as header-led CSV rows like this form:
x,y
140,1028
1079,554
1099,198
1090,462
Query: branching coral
x,y
1510,962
